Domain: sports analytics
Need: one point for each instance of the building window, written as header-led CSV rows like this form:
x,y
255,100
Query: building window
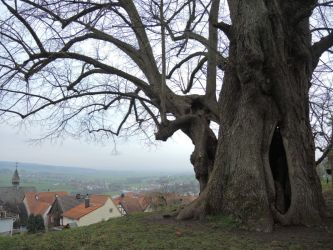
x,y
110,210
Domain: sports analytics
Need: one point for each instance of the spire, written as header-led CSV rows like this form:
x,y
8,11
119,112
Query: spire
x,y
16,177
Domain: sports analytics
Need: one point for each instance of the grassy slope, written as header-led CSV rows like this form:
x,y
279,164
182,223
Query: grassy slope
x,y
147,231
150,231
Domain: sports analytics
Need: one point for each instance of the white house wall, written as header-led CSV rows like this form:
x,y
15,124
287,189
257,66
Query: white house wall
x,y
66,221
45,217
6,226
100,214
26,205
149,209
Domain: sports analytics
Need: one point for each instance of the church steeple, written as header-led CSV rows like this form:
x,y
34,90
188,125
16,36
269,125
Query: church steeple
x,y
16,177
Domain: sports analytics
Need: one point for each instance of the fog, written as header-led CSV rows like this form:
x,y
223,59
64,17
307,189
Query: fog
x,y
130,154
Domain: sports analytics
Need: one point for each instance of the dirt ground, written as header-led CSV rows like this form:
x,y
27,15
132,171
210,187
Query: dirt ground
x,y
306,236
292,237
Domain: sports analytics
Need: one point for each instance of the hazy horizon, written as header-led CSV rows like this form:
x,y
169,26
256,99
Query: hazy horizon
x,y
173,155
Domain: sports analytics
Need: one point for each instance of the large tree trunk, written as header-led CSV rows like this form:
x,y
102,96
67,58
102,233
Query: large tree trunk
x,y
264,169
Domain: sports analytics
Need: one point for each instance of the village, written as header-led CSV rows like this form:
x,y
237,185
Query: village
x,y
24,209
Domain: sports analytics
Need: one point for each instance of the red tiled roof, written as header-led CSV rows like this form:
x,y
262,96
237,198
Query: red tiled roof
x,y
96,201
134,202
38,203
117,200
131,202
131,205
144,201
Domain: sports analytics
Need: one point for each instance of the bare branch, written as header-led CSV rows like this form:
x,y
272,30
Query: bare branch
x,y
186,59
27,25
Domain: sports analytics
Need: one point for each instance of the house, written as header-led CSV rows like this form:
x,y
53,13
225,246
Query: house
x,y
148,202
121,208
132,203
129,203
82,211
61,205
6,222
6,226
39,203
12,197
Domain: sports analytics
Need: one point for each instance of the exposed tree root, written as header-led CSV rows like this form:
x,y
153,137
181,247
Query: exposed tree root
x,y
195,210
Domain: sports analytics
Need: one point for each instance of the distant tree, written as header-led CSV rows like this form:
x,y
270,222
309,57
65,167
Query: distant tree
x,y
39,222
258,70
35,223
31,224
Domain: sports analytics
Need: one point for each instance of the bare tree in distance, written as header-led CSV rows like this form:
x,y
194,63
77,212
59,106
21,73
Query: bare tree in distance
x,y
260,70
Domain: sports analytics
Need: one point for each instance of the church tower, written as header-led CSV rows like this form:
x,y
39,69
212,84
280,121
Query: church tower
x,y
16,178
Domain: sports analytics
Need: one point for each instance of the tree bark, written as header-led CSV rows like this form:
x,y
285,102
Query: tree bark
x,y
193,118
203,156
264,169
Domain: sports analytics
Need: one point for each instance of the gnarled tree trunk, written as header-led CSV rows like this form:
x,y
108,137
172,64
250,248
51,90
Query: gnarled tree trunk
x,y
264,169
195,124
203,156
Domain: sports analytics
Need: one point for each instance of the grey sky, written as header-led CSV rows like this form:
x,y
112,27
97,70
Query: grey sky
x,y
172,155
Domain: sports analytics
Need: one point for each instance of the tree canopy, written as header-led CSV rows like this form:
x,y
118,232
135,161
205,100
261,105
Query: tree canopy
x,y
96,66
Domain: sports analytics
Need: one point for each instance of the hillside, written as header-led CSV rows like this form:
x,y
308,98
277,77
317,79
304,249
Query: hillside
x,y
151,231
102,181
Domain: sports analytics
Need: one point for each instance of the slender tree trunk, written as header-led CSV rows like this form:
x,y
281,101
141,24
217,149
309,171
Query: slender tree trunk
x,y
264,170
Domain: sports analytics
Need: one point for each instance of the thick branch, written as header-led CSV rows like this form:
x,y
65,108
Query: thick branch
x,y
167,129
141,35
212,51
320,47
325,153
98,64
51,102
226,28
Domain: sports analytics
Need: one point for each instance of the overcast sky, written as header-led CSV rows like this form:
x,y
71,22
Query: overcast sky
x,y
173,155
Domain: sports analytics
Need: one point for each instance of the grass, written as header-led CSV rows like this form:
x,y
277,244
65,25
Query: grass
x,y
5,180
150,231
326,186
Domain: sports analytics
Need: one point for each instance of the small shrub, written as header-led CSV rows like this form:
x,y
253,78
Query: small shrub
x,y
35,223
